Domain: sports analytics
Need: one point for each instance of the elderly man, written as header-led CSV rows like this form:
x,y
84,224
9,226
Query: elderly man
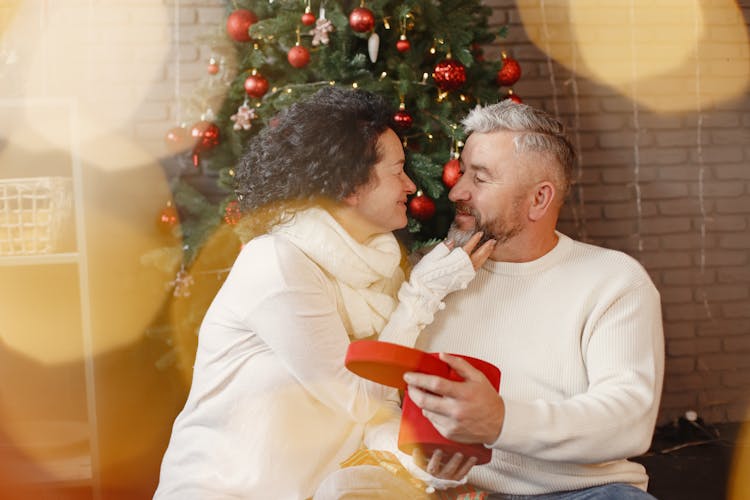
x,y
576,330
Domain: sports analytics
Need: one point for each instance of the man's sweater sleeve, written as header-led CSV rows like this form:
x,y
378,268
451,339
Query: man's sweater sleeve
x,y
615,417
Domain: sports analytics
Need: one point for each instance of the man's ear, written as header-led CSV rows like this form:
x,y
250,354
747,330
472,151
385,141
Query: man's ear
x,y
543,195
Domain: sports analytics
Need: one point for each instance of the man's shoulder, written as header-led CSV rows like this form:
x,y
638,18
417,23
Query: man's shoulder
x,y
606,260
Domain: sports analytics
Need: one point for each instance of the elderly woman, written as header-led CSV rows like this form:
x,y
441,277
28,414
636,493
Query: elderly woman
x,y
272,408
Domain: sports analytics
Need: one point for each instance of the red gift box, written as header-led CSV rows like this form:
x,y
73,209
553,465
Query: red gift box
x,y
386,363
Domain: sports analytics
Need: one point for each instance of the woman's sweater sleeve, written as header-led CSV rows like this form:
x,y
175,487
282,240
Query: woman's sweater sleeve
x,y
439,273
293,310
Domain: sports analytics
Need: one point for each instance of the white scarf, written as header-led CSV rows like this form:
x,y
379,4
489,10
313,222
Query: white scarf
x,y
367,275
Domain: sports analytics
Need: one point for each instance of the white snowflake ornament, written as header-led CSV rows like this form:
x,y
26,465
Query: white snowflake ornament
x,y
243,117
321,30
181,283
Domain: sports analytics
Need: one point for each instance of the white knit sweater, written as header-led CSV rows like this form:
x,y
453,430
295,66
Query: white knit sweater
x,y
272,409
578,337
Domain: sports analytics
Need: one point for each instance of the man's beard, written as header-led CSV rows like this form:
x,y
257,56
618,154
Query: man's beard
x,y
493,229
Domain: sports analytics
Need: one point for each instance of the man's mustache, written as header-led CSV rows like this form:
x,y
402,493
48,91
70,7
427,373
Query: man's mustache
x,y
466,210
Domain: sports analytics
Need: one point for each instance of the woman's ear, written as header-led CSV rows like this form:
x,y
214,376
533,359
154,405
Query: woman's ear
x,y
543,196
351,200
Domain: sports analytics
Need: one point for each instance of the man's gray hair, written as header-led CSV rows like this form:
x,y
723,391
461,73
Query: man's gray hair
x,y
536,131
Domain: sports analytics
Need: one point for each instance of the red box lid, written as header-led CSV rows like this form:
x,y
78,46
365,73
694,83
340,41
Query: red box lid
x,y
386,363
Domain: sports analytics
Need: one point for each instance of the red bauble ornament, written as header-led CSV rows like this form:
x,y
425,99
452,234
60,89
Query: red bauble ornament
x,y
449,74
298,56
308,18
256,85
451,172
362,20
213,67
403,45
402,119
239,22
177,139
206,136
513,97
421,207
509,73
168,218
232,213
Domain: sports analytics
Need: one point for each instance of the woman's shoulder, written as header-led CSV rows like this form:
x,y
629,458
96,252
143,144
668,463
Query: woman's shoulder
x,y
272,257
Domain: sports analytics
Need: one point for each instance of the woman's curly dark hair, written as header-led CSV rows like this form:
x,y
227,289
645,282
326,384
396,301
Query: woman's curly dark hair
x,y
320,148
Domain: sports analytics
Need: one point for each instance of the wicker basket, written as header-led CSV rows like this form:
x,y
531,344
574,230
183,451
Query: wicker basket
x,y
32,214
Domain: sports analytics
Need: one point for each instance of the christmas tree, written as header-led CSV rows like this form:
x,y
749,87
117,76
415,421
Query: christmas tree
x,y
425,56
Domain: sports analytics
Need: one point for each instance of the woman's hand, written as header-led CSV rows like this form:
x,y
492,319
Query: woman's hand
x,y
454,469
446,269
441,271
480,256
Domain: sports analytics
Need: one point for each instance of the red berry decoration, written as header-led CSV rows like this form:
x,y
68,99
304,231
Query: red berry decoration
x,y
451,172
449,74
239,22
509,73
403,45
256,85
298,56
403,119
178,139
362,20
308,18
168,218
232,213
421,207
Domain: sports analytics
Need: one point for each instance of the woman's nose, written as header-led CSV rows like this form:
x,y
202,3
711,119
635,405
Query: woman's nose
x,y
409,186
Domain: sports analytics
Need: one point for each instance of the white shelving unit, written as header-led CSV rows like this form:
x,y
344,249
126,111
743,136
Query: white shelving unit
x,y
80,468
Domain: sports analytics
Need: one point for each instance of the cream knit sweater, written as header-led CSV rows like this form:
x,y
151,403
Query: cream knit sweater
x,y
578,337
272,409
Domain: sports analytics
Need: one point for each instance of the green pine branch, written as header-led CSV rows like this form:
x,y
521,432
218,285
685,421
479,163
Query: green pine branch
x,y
435,30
